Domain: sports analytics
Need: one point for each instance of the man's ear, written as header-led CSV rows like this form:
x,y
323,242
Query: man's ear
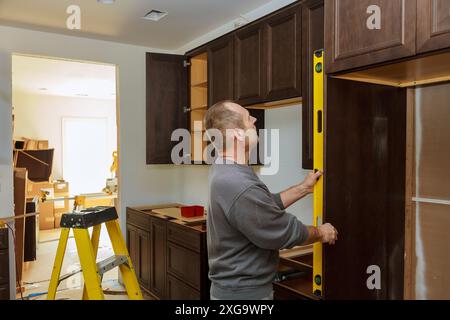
x,y
239,134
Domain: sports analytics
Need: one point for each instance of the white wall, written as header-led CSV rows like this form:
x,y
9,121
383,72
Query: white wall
x,y
39,116
288,120
140,184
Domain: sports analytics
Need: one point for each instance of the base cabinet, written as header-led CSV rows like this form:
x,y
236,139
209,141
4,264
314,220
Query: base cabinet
x,y
4,265
178,290
170,259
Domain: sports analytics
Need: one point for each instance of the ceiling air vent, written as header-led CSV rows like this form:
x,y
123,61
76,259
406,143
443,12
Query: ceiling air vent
x,y
155,15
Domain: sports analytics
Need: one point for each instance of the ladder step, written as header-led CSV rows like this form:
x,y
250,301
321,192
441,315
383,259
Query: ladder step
x,y
102,266
110,263
68,275
88,218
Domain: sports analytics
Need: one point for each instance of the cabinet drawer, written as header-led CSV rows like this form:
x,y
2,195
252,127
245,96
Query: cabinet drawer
x,y
3,239
184,264
4,292
184,236
4,266
177,290
138,219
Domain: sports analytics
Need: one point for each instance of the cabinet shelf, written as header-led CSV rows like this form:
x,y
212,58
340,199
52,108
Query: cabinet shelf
x,y
203,84
199,108
409,73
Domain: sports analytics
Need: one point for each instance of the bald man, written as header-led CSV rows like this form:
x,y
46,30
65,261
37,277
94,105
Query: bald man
x,y
247,224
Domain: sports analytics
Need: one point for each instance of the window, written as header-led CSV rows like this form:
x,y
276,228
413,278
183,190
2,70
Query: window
x,y
86,159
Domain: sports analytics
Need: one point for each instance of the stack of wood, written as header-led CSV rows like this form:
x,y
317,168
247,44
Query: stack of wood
x,y
33,162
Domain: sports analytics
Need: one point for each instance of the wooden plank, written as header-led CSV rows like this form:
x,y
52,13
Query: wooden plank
x,y
434,222
297,251
156,206
20,187
409,276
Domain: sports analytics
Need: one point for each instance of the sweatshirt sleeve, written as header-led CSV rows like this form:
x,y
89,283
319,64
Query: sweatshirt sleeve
x,y
278,201
260,219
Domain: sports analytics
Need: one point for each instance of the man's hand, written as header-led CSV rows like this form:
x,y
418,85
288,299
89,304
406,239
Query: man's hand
x,y
311,181
328,233
325,233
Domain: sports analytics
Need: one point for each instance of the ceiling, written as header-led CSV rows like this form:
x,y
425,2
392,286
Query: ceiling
x,y
122,21
63,78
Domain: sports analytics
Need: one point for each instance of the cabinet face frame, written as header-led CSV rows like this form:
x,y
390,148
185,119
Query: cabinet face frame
x,y
312,25
431,36
158,228
388,50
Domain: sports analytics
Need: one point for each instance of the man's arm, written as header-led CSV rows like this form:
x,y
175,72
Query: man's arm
x,y
295,193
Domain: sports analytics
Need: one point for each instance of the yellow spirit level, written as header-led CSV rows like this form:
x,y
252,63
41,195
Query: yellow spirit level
x,y
318,165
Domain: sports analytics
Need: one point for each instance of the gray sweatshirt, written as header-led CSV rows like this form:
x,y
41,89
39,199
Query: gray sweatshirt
x,y
247,226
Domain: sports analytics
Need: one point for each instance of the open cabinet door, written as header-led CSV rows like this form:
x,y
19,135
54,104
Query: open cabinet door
x,y
365,190
167,95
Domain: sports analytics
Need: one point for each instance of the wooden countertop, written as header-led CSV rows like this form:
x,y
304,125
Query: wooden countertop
x,y
152,210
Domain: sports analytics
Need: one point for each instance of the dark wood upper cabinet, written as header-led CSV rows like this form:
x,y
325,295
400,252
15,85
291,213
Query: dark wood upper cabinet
x,y
433,25
248,65
350,43
312,40
283,55
4,264
167,95
220,70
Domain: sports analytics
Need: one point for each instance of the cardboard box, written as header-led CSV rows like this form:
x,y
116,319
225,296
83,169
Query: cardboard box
x,y
34,188
42,144
31,144
61,187
46,216
57,221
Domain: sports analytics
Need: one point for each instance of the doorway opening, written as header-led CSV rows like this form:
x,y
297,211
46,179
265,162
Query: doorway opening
x,y
65,145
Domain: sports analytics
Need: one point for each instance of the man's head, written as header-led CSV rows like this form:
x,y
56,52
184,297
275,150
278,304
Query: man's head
x,y
236,125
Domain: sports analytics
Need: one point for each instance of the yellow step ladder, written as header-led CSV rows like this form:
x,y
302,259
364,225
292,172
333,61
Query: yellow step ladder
x,y
87,248
318,165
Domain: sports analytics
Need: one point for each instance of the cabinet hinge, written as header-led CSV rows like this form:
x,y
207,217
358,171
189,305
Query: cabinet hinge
x,y
186,63
186,109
